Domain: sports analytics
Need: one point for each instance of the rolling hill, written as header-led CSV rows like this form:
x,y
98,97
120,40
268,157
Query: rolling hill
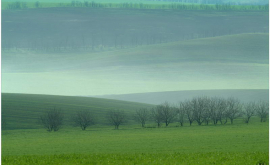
x,y
225,62
22,111
245,95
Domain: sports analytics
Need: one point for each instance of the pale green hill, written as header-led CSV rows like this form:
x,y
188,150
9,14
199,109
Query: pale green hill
x,y
175,97
226,62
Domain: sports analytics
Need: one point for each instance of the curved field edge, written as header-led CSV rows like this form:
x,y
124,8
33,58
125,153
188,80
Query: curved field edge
x,y
22,111
143,158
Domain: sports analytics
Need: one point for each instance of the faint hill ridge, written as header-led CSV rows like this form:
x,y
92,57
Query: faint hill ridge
x,y
236,48
226,62
245,95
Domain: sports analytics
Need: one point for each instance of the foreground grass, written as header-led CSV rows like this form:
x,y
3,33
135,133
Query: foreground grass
x,y
141,158
221,144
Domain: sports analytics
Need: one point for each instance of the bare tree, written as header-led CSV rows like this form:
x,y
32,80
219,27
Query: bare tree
x,y
156,115
83,119
213,110
205,104
234,109
189,112
52,119
262,110
221,110
141,116
116,118
183,107
168,113
199,106
249,111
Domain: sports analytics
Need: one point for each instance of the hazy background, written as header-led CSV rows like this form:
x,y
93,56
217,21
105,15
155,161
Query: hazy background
x,y
104,51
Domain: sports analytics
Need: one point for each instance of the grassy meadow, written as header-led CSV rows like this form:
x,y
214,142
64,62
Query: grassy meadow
x,y
222,144
237,143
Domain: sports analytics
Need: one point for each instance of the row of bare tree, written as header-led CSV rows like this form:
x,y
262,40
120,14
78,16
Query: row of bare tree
x,y
202,110
53,119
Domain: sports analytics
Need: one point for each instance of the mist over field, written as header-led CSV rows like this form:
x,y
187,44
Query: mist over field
x,y
135,82
103,51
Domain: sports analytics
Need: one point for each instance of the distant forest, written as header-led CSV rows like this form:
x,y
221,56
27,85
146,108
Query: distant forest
x,y
106,26
175,4
97,29
254,2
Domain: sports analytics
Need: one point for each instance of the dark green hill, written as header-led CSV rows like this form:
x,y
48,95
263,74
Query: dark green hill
x,y
21,111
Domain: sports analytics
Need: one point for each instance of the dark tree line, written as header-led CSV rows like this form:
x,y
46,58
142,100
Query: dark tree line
x,y
202,110
53,119
192,5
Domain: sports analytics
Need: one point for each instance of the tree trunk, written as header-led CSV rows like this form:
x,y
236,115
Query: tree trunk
x,y
248,120
231,121
225,121
143,125
221,121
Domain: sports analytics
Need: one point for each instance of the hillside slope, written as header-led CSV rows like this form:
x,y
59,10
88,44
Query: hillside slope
x,y
226,62
176,96
22,111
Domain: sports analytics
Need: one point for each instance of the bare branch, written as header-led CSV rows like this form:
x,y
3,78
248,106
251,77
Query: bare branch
x,y
52,120
83,119
116,117
141,116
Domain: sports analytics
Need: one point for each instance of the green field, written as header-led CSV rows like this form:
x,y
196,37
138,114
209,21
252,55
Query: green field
x,y
221,144
21,111
237,143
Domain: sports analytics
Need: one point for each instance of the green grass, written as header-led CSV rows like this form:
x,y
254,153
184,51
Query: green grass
x,y
126,159
222,144
237,143
22,111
